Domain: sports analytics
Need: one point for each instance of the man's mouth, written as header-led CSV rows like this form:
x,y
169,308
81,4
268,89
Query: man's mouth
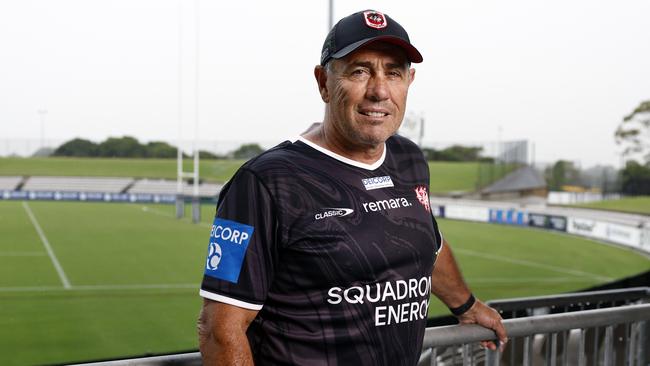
x,y
374,114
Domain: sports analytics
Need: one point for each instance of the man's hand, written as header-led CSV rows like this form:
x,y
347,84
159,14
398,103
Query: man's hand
x,y
487,317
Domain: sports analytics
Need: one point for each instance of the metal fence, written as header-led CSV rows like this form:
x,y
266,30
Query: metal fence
x,y
606,328
552,330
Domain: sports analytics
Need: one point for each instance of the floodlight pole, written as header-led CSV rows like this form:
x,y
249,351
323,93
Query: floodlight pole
x,y
330,23
180,174
41,113
196,200
180,201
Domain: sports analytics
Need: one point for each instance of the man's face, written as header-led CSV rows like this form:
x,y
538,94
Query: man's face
x,y
366,94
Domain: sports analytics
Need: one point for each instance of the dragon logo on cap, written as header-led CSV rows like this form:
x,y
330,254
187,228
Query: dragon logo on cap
x,y
375,19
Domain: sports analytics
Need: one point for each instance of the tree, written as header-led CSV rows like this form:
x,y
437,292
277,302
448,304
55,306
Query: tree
x,y
77,147
160,149
210,156
635,178
634,132
454,153
121,147
560,174
247,151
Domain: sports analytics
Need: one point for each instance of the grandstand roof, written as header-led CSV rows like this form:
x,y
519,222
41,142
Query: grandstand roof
x,y
522,179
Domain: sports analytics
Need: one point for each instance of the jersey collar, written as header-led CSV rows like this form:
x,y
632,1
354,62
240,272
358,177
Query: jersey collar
x,y
343,159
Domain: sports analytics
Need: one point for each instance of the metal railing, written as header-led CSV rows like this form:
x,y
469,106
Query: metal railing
x,y
181,359
592,329
541,335
571,301
540,305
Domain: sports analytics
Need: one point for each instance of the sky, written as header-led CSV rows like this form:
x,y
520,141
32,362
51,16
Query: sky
x,y
560,74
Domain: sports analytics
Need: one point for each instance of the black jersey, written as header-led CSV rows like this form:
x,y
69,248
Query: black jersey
x,y
335,254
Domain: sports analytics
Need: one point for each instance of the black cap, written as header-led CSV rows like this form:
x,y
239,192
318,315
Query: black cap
x,y
364,27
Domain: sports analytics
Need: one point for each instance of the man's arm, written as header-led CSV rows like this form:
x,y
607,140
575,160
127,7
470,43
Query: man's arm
x,y
222,334
448,285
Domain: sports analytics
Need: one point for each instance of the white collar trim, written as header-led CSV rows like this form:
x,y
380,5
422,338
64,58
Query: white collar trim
x,y
345,160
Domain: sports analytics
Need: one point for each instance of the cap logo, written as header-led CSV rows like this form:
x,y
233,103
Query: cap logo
x,y
375,19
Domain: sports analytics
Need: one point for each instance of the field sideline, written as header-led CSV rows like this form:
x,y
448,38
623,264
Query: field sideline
x,y
127,276
638,205
445,176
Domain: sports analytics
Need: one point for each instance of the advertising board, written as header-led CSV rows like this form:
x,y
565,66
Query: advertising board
x,y
470,213
550,222
616,233
510,217
87,196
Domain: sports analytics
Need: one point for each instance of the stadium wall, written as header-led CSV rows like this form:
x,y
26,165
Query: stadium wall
x,y
635,237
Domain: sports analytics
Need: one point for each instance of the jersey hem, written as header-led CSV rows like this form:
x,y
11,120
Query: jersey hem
x,y
229,300
343,159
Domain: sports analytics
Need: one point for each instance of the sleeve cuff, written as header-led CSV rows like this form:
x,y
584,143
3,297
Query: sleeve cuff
x,y
230,300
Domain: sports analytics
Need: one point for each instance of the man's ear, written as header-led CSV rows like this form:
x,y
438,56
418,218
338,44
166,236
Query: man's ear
x,y
320,73
411,75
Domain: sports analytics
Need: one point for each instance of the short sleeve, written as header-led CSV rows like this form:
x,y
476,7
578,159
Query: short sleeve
x,y
438,236
241,255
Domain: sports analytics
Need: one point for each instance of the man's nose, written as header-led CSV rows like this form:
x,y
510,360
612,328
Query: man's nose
x,y
377,88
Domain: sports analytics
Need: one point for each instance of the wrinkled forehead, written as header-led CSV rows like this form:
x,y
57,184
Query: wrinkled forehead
x,y
389,53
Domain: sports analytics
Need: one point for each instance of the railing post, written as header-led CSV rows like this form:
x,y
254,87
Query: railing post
x,y
553,349
528,351
644,343
465,351
491,358
609,346
582,360
434,357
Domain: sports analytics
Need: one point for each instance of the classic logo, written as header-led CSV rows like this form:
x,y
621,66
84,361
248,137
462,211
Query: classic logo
x,y
423,197
377,182
333,212
375,19
227,249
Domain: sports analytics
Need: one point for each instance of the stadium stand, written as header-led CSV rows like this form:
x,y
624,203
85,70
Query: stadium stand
x,y
10,183
523,182
78,184
162,186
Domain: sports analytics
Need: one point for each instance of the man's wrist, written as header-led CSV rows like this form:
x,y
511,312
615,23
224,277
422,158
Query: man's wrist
x,y
460,310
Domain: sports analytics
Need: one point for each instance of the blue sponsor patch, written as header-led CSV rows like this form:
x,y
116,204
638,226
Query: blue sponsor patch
x,y
227,248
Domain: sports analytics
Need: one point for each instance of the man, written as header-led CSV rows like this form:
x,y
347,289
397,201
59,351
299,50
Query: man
x,y
322,251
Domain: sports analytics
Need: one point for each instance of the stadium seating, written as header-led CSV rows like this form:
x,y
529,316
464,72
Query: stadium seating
x,y
77,184
163,186
10,183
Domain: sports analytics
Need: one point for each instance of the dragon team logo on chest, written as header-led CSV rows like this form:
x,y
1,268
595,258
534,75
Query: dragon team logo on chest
x,y
377,182
423,197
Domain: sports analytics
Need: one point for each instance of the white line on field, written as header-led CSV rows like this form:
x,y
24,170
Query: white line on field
x,y
48,248
523,262
22,254
101,287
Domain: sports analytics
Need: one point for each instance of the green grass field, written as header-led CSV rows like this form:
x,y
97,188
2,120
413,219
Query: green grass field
x,y
445,176
134,271
640,205
211,170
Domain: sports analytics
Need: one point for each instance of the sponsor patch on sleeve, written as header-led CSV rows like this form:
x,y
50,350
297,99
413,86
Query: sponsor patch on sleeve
x,y
227,248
